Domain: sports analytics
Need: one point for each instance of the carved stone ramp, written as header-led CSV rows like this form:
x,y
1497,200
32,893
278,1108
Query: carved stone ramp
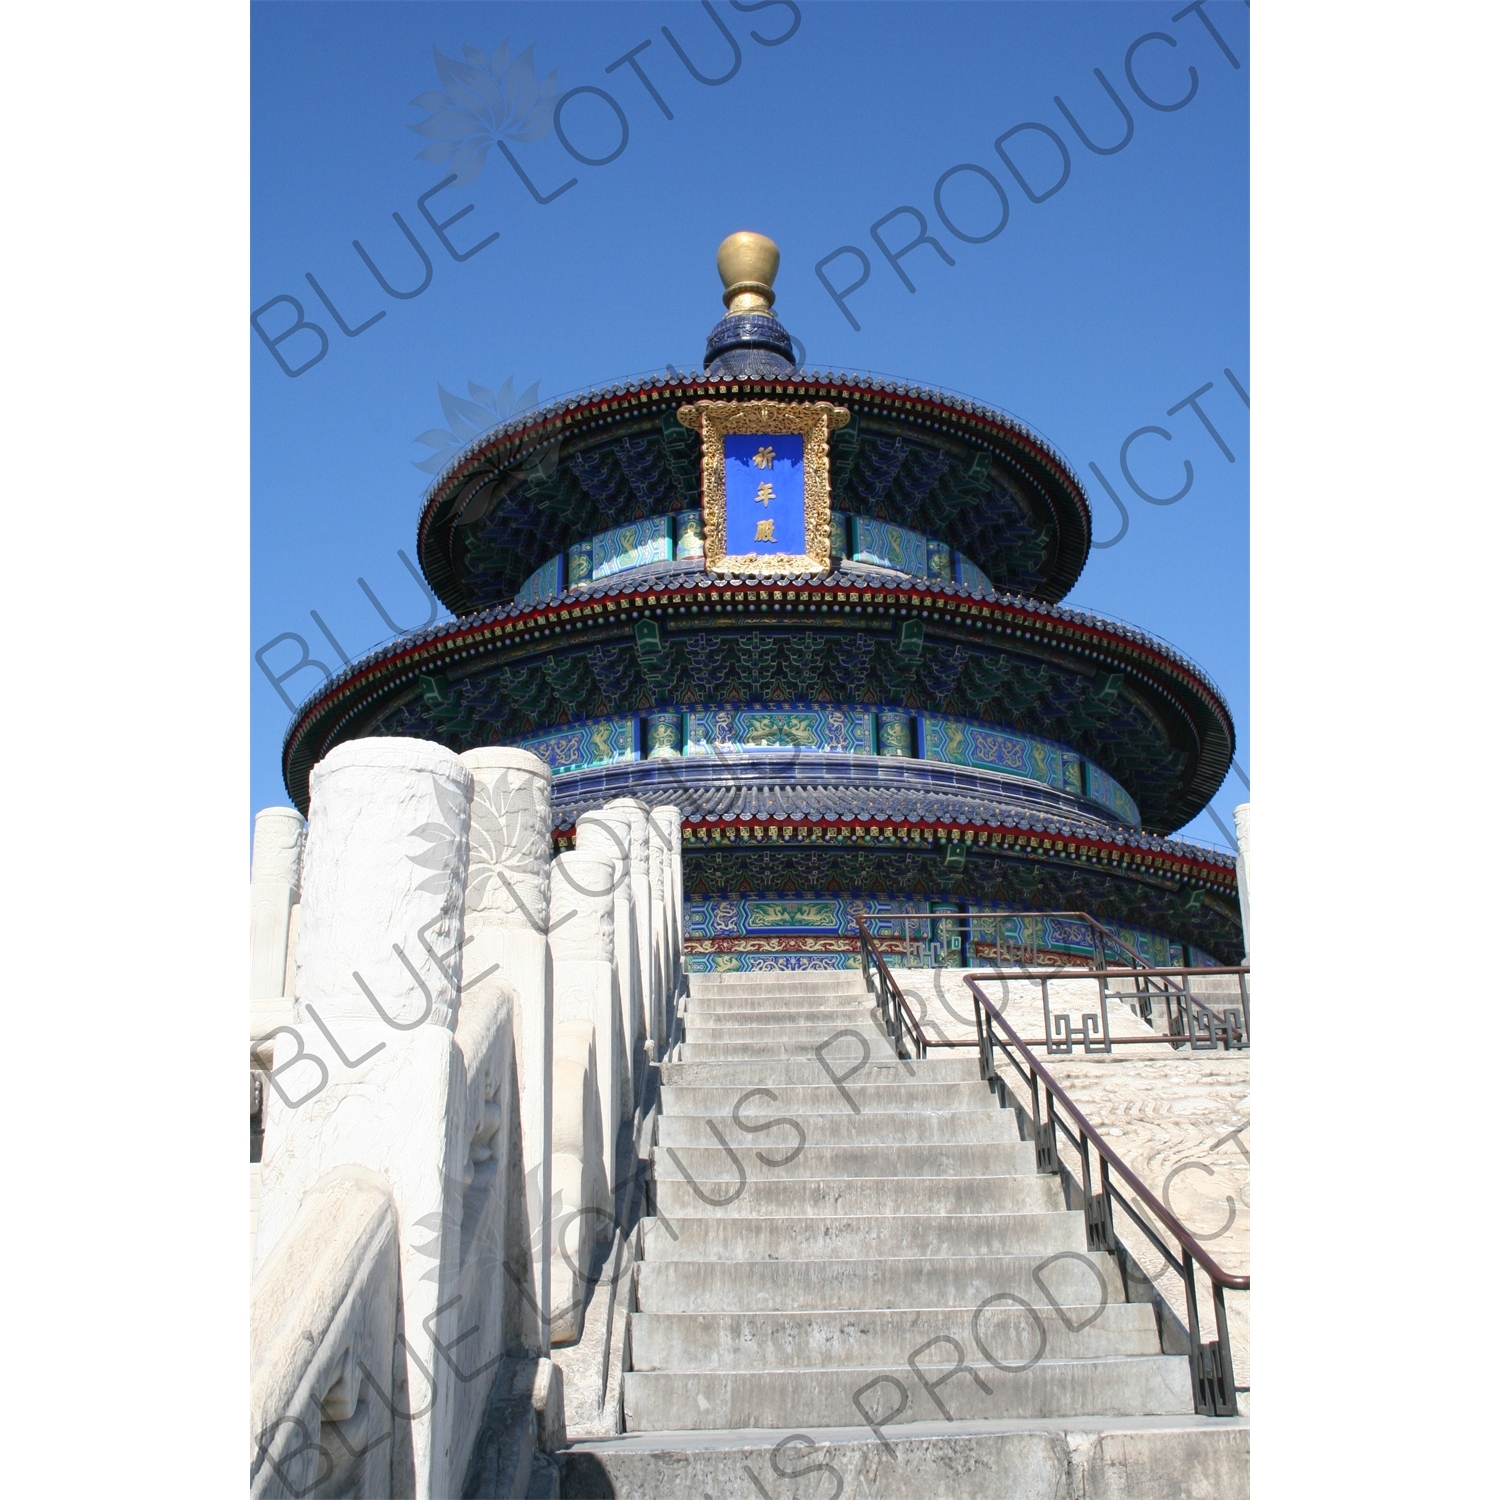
x,y
855,1282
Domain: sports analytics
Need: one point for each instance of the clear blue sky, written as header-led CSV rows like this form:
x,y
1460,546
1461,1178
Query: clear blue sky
x,y
1089,315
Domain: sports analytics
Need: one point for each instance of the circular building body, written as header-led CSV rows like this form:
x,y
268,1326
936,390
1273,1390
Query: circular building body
x,y
820,615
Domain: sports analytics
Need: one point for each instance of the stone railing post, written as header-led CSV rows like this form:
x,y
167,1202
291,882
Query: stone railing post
x,y
275,890
659,851
640,898
584,983
383,880
679,896
1242,868
606,836
578,1134
507,913
369,1073
668,820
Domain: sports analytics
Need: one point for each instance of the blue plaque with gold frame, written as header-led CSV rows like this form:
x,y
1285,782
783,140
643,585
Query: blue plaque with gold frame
x,y
766,499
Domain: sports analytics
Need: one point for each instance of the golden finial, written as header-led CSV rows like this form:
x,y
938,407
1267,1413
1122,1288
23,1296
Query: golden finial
x,y
747,266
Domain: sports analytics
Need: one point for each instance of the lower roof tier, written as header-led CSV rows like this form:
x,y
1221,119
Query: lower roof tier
x,y
674,639
970,842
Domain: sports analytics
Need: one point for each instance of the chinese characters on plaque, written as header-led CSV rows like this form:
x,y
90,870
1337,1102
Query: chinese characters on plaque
x,y
764,510
766,496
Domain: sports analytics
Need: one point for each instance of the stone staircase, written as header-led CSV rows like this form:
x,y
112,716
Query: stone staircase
x,y
854,1272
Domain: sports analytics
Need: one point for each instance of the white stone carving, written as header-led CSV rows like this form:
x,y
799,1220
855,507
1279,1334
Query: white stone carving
x,y
506,921
293,934
640,897
275,881
447,1023
580,1200
1242,868
267,1017
426,1112
656,849
383,883
474,1329
667,821
277,851
606,836
395,1090
584,986
322,1340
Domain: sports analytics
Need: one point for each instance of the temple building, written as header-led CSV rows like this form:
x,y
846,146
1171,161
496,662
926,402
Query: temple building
x,y
821,615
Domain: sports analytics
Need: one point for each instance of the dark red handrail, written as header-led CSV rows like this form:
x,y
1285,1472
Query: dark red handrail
x,y
1158,981
897,1013
1180,1232
1212,1364
1107,1153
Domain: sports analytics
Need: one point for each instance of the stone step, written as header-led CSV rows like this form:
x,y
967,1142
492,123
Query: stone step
x,y
768,1026
1084,1279
732,1005
773,1026
1140,1385
751,1051
777,1072
845,1038
1129,1458
942,1157
855,1096
849,1037
900,1131
727,1005
862,1038
778,1195
779,998
872,1336
833,982
730,1238
828,1019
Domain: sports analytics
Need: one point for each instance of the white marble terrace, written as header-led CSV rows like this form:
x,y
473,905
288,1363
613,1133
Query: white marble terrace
x,y
449,1029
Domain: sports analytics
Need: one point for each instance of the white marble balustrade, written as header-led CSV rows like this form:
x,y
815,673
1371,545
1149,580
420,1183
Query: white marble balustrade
x,y
450,1026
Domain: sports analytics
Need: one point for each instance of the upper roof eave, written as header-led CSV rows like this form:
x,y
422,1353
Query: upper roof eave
x,y
512,440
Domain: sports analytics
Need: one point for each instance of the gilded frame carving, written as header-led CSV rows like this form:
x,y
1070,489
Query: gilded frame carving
x,y
814,421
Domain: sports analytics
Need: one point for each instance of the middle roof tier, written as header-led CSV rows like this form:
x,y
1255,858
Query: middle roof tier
x,y
670,638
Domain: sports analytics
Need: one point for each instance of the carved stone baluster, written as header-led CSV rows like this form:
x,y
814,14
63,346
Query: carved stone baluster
x,y
640,895
606,836
275,889
508,905
368,1072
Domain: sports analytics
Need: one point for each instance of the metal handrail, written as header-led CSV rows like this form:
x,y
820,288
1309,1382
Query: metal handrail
x,y
1102,935
1214,1019
1212,1363
1188,1017
1201,1028
900,1020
